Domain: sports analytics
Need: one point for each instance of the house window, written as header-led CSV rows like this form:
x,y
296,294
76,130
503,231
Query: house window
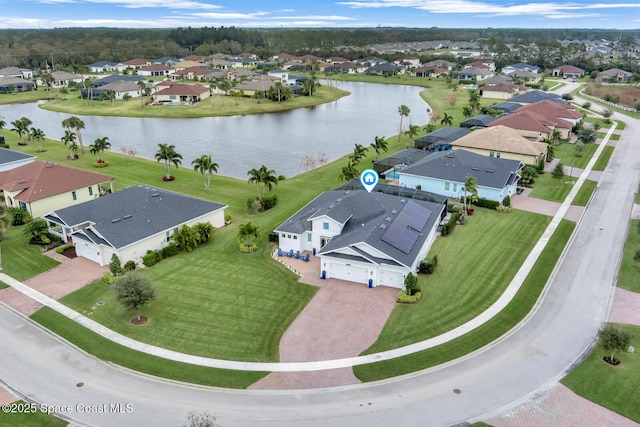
x,y
175,230
73,195
455,187
288,236
325,225
498,154
167,235
308,237
447,186
91,191
283,235
295,237
491,154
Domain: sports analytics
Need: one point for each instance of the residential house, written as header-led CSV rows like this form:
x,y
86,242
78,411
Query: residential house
x,y
409,62
501,90
195,58
534,125
479,121
383,69
506,107
567,72
192,73
373,239
117,78
431,72
446,172
389,166
483,63
441,63
15,84
181,93
120,88
260,84
532,96
615,75
16,72
10,159
222,64
169,61
40,187
130,222
156,70
280,74
497,79
342,68
502,142
440,139
552,109
475,74
521,66
106,67
371,61
136,63
526,76
63,78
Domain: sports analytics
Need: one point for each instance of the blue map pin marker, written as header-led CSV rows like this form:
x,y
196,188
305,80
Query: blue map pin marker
x,y
369,179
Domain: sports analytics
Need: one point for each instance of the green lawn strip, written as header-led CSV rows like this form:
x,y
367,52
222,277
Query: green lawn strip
x,y
114,353
464,284
613,137
604,158
547,188
614,387
206,108
629,276
3,285
34,418
21,260
567,154
22,97
585,192
493,329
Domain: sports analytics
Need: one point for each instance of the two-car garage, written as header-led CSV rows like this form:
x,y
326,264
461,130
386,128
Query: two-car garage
x,y
362,272
348,271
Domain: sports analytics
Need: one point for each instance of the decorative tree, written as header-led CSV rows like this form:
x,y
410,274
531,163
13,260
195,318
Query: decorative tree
x,y
379,145
205,165
77,125
248,235
557,173
168,154
134,291
404,111
115,266
611,339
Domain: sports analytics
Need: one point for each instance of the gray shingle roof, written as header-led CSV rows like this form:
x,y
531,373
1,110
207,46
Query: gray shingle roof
x,y
10,156
447,134
133,214
481,120
535,96
457,165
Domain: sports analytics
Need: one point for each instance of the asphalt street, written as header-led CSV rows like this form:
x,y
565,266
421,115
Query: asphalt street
x,y
41,368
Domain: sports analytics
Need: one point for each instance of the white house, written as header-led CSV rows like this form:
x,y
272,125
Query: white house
x,y
374,239
446,172
130,222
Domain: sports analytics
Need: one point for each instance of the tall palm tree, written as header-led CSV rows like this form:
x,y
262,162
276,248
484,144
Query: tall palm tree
x,y
69,139
470,189
38,136
142,85
447,120
64,91
168,154
99,146
474,101
269,178
467,111
349,172
255,177
3,123
76,124
412,132
21,126
359,151
404,111
248,234
379,145
205,165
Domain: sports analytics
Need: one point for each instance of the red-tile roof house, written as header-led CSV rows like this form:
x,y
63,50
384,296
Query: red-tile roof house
x,y
41,187
182,93
136,63
567,72
555,110
156,70
533,125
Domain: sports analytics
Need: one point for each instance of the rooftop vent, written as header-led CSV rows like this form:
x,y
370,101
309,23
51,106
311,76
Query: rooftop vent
x,y
388,219
155,194
490,170
49,165
126,217
475,169
338,200
22,181
113,221
402,200
383,226
393,212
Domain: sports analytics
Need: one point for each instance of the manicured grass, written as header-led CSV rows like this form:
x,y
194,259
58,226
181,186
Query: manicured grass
x,y
110,352
567,154
499,325
21,260
613,137
464,284
547,188
614,387
206,108
30,419
585,192
3,285
604,158
20,97
629,276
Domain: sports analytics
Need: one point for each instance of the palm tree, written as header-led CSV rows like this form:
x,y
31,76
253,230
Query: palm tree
x,y
88,83
38,136
310,86
467,111
99,146
269,177
248,234
205,165
69,139
224,85
168,154
404,111
359,152
254,176
470,189
446,120
3,123
379,145
349,172
142,85
474,101
21,126
411,132
429,127
76,124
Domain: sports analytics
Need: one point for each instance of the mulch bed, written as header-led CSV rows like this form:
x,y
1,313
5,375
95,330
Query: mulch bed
x,y
70,252
610,362
139,320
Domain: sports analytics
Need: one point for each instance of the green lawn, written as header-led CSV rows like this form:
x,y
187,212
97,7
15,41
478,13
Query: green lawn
x,y
585,192
30,419
114,353
629,276
497,326
465,284
21,260
21,97
614,387
604,158
3,285
547,188
567,154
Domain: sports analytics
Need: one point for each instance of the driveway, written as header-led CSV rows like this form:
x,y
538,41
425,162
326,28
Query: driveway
x,y
342,320
67,277
545,207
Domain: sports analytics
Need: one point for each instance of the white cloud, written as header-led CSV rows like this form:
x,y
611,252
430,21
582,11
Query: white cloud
x,y
169,4
229,15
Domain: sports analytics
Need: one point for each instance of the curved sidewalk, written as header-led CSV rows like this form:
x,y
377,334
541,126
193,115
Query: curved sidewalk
x,y
461,330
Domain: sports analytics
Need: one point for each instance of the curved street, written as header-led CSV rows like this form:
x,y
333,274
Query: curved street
x,y
513,370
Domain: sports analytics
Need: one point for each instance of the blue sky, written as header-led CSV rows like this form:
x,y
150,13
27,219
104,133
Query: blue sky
x,y
319,13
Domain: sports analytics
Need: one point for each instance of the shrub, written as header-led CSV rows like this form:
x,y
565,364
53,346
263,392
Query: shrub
x,y
281,177
428,267
418,187
61,249
636,256
114,266
411,284
103,164
506,201
269,201
19,216
447,228
130,265
453,208
149,259
227,217
168,251
486,203
403,298
586,105
4,145
248,248
252,205
273,237
107,278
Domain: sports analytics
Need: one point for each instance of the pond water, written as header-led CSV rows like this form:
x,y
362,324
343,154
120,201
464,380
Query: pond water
x,y
239,143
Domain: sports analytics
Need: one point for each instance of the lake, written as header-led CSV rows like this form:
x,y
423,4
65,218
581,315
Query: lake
x,y
239,143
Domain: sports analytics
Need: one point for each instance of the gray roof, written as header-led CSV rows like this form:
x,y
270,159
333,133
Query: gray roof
x,y
117,78
446,134
366,217
133,214
536,96
121,86
457,165
481,120
10,156
507,107
406,157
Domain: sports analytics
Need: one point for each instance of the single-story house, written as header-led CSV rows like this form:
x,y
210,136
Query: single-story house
x,y
567,72
63,78
383,69
130,222
440,139
136,63
261,84
479,121
106,67
532,125
446,172
167,60
10,159
520,66
342,68
40,187
15,84
501,90
552,110
374,239
155,70
19,73
280,74
475,73
536,96
431,72
117,78
526,76
121,88
182,93
441,63
506,107
502,142
615,75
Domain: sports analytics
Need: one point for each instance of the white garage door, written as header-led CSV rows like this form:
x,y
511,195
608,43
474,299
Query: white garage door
x,y
348,272
391,278
87,251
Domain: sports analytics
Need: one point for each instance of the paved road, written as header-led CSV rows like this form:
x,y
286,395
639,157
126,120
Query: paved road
x,y
511,371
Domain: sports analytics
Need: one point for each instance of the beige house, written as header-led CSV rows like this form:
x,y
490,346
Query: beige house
x,y
130,222
502,142
181,93
40,187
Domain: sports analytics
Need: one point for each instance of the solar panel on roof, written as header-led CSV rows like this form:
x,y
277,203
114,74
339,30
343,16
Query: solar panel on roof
x,y
405,229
